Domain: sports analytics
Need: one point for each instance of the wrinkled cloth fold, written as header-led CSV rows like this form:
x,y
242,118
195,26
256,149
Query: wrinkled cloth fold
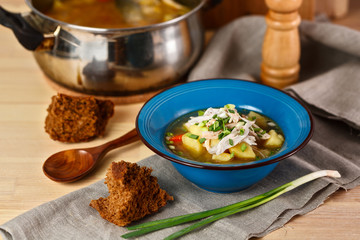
x,y
329,85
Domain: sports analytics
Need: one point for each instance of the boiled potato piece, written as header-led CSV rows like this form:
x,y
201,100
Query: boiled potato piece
x,y
195,129
260,120
192,145
214,142
275,141
223,157
247,154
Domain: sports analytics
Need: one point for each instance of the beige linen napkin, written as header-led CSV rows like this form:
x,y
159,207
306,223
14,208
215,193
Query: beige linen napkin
x,y
235,51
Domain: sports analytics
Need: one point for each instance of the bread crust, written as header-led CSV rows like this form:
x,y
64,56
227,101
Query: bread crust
x,y
77,119
133,194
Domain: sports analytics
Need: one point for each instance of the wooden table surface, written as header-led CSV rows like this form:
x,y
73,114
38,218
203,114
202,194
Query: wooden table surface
x,y
24,145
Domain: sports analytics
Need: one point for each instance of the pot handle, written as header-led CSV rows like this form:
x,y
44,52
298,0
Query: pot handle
x,y
24,32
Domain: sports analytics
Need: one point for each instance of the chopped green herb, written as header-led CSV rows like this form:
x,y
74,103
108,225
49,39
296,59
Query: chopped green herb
x,y
230,106
169,142
221,135
243,147
201,113
169,134
231,111
231,142
215,126
193,136
257,129
215,116
242,131
232,155
202,140
227,131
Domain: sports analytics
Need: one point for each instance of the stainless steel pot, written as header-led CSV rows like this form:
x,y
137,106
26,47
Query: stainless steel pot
x,y
110,62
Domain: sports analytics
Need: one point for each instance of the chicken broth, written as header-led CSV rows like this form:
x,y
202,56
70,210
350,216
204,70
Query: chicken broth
x,y
224,136
110,14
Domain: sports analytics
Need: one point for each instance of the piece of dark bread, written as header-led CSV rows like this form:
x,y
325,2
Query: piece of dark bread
x,y
77,119
133,194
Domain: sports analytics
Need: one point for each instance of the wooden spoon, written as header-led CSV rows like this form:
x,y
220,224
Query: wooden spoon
x,y
73,164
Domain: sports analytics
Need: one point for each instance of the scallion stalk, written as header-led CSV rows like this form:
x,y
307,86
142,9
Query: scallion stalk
x,y
222,212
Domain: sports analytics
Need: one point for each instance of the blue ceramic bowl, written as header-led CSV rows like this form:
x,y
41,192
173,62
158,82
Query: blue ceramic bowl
x,y
294,119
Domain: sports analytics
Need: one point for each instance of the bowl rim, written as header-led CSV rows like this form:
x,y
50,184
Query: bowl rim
x,y
224,166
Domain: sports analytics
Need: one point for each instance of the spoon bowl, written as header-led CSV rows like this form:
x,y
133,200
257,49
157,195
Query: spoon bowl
x,y
68,165
73,164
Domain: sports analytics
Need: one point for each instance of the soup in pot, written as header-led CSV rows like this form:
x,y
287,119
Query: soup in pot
x,y
115,13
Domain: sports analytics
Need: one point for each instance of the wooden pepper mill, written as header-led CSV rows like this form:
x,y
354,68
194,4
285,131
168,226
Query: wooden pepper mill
x,y
281,46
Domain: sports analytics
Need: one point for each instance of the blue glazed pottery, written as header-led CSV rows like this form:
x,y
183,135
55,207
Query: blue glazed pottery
x,y
293,118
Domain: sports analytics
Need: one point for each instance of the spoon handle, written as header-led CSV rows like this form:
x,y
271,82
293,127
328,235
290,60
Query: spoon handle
x,y
128,138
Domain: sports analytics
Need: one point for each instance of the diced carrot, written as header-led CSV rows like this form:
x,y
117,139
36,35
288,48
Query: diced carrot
x,y
176,139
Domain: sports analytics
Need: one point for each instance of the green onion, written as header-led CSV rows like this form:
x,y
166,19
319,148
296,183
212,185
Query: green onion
x,y
226,120
231,111
169,134
227,131
242,131
232,155
229,106
243,147
252,118
231,142
257,129
221,135
225,211
202,140
215,127
193,136
201,113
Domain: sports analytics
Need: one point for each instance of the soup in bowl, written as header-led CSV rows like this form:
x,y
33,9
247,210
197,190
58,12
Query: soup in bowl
x,y
224,135
291,121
